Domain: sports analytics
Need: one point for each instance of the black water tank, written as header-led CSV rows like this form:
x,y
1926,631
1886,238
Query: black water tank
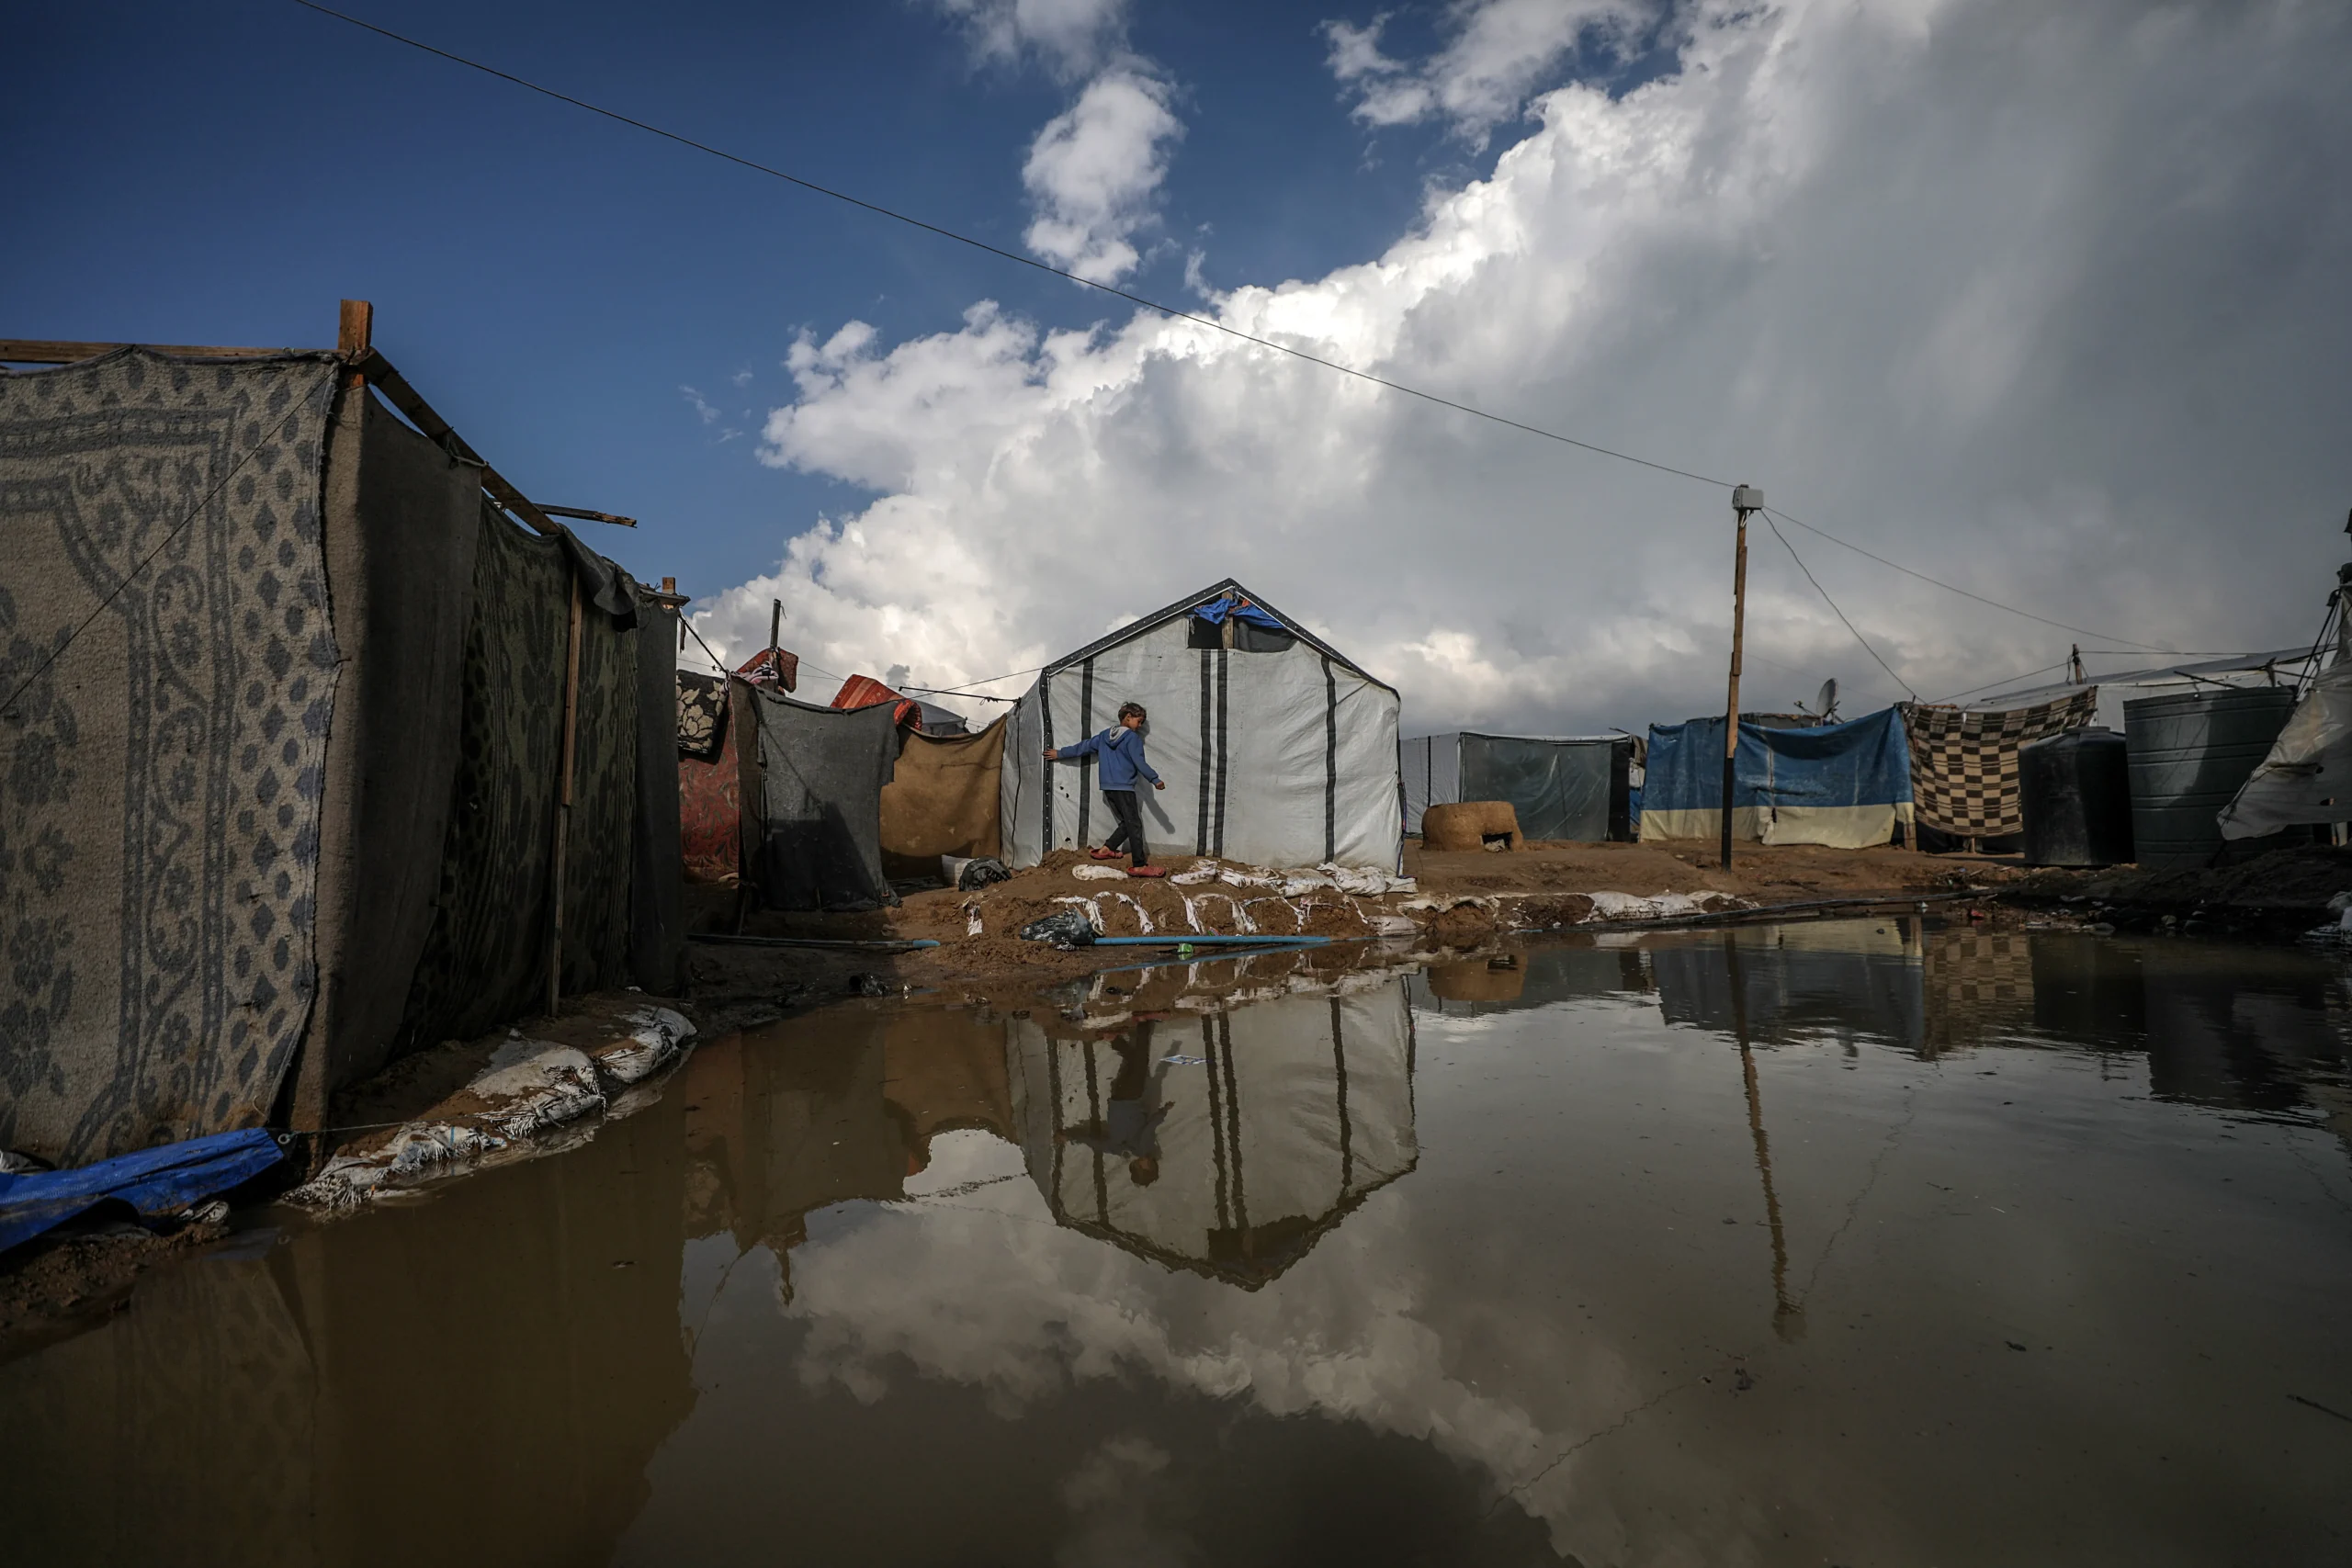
x,y
2075,791
2189,753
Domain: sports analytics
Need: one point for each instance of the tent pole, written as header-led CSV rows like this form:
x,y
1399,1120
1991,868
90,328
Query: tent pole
x,y
1744,500
563,791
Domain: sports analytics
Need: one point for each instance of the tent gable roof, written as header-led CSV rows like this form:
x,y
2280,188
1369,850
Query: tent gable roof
x,y
1192,602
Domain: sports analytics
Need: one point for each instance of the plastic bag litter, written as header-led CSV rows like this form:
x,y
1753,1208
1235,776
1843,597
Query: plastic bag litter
x,y
971,876
1069,929
1098,873
1364,880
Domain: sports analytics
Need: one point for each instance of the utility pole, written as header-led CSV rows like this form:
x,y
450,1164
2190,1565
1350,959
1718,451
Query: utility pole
x,y
2074,663
1744,500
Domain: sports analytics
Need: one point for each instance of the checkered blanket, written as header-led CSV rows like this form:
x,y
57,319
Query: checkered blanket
x,y
1964,761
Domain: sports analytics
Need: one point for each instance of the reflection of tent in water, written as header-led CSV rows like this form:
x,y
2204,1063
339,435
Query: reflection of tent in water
x,y
1297,1110
1772,983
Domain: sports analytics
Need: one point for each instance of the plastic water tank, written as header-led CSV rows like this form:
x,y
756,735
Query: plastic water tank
x,y
2189,753
2076,793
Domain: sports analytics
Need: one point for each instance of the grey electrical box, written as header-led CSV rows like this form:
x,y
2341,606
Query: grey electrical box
x,y
1747,498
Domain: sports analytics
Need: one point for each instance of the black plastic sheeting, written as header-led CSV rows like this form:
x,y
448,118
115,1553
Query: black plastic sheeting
x,y
822,770
1572,789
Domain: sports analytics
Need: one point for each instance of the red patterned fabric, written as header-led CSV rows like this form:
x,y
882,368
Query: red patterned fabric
x,y
772,667
710,809
865,691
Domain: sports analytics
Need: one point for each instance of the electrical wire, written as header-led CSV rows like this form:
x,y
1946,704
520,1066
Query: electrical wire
x,y
1173,313
1833,605
945,233
326,386
1771,512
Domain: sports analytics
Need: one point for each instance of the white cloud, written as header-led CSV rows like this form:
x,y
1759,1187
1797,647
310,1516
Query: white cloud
x,y
700,404
1499,50
1071,38
2043,301
1093,171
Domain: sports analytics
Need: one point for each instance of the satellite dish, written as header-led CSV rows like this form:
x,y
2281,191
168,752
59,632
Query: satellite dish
x,y
1826,701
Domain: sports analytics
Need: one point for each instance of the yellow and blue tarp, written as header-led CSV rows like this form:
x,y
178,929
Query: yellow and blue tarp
x,y
1846,785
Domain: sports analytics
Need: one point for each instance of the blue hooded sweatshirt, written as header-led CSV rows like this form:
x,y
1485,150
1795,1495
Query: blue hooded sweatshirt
x,y
1121,750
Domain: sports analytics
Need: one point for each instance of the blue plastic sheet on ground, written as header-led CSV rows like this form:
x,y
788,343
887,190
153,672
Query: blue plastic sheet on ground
x,y
153,1182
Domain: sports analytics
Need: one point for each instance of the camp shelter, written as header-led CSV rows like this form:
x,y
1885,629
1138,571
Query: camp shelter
x,y
1276,747
716,775
1570,787
943,799
1846,785
817,844
286,698
1964,760
1297,1110
865,691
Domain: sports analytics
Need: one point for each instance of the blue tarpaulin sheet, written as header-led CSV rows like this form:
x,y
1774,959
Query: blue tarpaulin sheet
x,y
152,1182
1217,609
1842,785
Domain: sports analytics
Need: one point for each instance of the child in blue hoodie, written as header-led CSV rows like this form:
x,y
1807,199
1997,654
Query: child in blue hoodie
x,y
1120,748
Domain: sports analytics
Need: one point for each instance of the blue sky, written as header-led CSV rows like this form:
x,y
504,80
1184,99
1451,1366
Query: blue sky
x,y
2045,301
226,172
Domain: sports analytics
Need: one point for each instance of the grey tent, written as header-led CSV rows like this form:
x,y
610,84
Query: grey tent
x,y
1561,787
1277,749
286,701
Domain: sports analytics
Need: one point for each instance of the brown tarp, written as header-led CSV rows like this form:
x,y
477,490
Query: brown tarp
x,y
943,800
167,683
711,793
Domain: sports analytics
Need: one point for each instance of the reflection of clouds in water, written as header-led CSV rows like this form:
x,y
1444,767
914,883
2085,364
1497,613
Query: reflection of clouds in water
x,y
1003,1301
1111,1496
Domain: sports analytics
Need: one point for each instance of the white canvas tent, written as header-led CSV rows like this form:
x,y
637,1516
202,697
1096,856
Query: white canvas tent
x,y
1276,749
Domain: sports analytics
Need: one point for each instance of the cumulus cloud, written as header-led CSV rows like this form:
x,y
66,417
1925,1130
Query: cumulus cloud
x,y
1497,53
2044,301
1094,170
1071,38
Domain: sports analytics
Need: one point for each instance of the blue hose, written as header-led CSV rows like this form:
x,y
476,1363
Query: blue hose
x,y
1211,941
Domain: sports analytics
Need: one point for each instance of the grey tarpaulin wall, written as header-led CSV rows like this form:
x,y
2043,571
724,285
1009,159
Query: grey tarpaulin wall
x,y
1281,753
485,961
1570,787
281,810
403,523
822,773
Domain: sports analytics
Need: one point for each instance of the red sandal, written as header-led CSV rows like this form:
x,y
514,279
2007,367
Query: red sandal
x,y
1144,871
1099,852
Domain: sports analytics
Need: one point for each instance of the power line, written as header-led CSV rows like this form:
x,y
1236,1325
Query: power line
x,y
1940,582
1833,604
878,208
1169,311
111,594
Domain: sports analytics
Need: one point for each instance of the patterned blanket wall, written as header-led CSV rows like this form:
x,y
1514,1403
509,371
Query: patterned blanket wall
x,y
1964,761
159,807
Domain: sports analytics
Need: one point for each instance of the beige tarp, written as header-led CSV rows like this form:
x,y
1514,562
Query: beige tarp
x,y
943,800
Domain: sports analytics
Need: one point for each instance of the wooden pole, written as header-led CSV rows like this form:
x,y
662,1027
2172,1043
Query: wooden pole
x,y
563,792
1743,501
355,336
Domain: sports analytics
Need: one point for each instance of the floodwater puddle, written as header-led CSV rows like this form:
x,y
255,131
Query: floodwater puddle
x,y
1891,1241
